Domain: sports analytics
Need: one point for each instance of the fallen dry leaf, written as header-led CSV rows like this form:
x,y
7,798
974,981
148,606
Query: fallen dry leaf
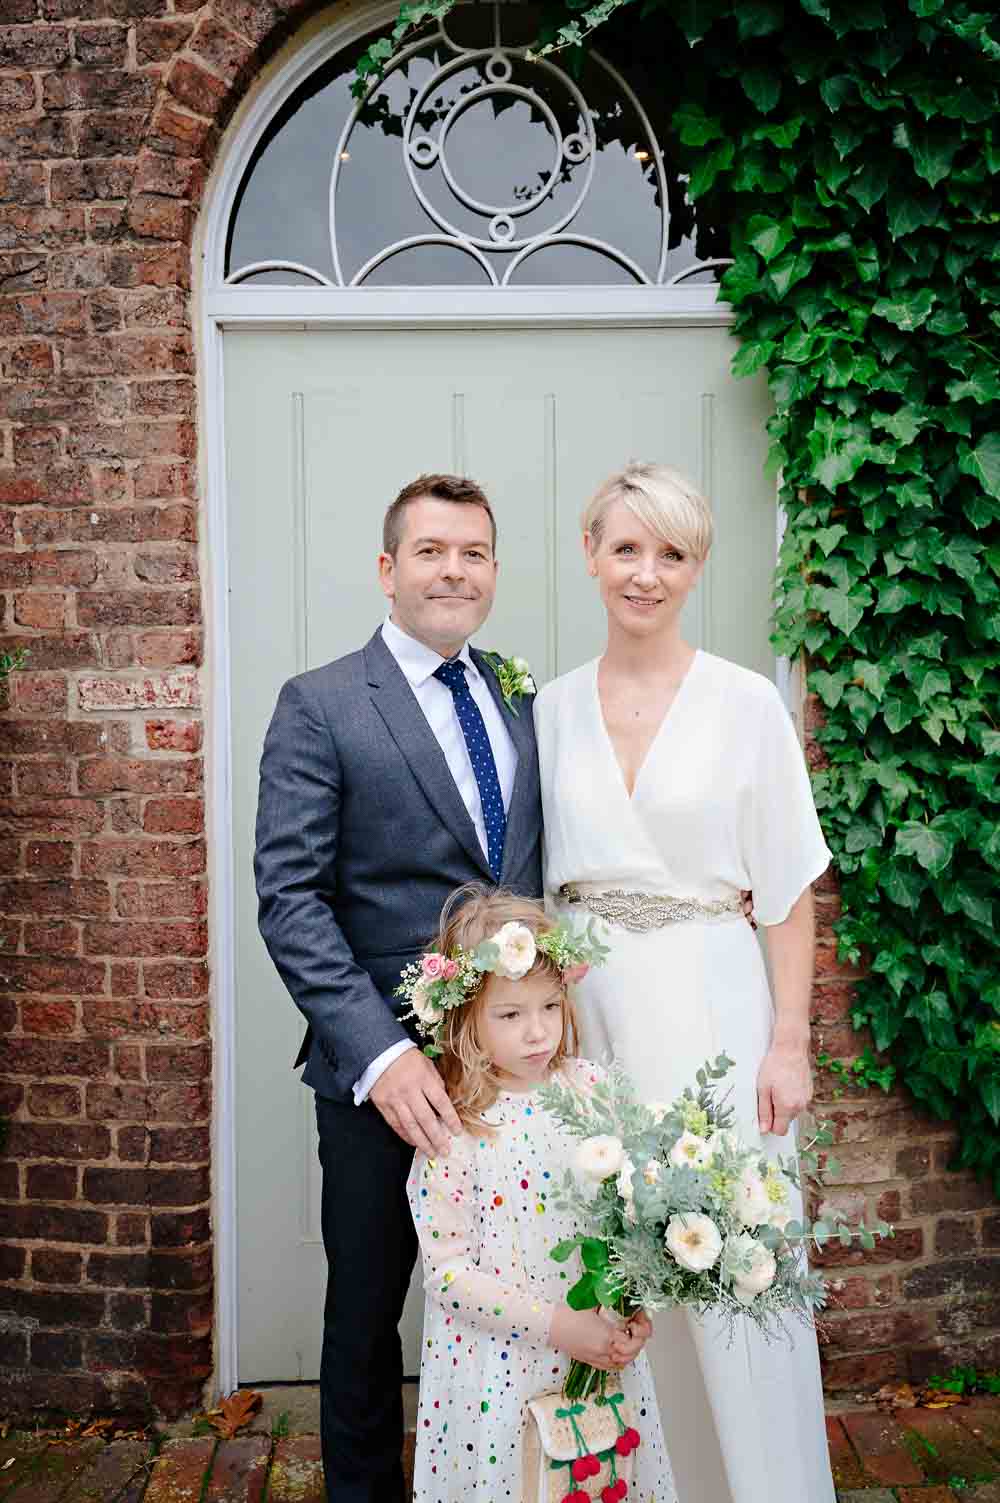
x,y
896,1396
101,1427
940,1398
233,1413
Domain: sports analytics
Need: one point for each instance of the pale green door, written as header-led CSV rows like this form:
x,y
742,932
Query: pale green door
x,y
323,428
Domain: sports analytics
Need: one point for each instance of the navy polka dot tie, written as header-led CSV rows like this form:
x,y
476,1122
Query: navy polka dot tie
x,y
470,718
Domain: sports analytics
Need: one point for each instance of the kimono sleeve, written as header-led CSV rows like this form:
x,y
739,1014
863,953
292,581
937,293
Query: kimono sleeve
x,y
783,844
444,1200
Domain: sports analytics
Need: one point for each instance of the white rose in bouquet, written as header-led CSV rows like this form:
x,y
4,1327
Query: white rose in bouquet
x,y
516,944
652,1171
694,1240
751,1201
597,1158
625,1188
750,1281
690,1150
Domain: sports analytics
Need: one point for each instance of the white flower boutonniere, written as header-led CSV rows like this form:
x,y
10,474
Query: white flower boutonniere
x,y
514,676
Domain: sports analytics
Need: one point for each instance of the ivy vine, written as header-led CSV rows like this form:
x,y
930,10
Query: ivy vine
x,y
856,143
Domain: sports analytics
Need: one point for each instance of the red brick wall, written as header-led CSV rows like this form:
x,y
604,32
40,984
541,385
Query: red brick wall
x,y
110,113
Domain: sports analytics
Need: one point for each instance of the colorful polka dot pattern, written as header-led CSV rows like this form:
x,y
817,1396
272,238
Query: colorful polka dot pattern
x,y
470,718
486,1221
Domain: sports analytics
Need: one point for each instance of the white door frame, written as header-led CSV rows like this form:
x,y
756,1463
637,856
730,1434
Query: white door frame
x,y
222,307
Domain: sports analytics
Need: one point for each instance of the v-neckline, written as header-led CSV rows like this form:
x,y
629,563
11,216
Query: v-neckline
x,y
668,714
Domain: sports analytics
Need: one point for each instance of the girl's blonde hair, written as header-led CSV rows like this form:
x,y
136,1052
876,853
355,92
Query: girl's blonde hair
x,y
473,913
662,499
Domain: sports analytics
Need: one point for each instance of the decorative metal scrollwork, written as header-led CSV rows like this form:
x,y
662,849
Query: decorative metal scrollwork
x,y
445,82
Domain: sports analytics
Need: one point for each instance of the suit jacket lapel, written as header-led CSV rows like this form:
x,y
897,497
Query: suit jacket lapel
x,y
406,724
522,733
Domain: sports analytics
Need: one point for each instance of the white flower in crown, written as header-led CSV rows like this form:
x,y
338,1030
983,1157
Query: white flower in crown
x,y
598,1158
424,1008
694,1240
691,1150
517,950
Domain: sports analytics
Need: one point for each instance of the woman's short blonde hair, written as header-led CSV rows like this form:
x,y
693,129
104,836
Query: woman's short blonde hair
x,y
474,913
662,499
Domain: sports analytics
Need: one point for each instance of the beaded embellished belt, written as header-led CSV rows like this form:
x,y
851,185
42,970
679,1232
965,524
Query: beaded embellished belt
x,y
642,911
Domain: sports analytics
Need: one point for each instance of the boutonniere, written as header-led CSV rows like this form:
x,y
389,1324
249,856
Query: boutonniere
x,y
514,677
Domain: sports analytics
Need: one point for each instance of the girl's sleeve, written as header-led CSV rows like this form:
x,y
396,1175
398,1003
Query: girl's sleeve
x,y
783,844
444,1201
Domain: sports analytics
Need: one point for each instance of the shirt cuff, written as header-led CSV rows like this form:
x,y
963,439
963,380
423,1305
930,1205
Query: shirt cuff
x,y
381,1063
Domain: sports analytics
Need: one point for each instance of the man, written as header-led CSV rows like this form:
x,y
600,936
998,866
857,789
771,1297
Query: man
x,y
388,778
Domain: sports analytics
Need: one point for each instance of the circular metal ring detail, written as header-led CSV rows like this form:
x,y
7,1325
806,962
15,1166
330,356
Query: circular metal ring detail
x,y
484,240
502,228
486,91
423,150
576,147
498,68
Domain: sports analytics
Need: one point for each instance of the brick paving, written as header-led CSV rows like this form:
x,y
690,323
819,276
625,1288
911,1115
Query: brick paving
x,y
911,1456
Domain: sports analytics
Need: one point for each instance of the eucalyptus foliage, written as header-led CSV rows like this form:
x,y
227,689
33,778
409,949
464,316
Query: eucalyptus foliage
x,y
857,146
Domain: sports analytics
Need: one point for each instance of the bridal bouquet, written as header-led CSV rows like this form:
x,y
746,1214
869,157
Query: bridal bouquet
x,y
678,1210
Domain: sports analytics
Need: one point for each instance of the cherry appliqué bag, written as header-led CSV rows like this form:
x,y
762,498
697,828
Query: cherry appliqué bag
x,y
577,1450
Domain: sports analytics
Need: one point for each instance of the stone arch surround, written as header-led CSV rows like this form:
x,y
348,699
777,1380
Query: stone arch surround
x,y
111,115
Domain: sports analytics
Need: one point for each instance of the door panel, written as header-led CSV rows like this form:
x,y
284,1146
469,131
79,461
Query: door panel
x,y
323,428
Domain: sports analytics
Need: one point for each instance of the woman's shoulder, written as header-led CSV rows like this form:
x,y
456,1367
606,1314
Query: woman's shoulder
x,y
558,690
743,687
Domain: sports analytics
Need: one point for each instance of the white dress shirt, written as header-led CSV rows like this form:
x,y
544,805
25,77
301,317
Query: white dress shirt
x,y
418,663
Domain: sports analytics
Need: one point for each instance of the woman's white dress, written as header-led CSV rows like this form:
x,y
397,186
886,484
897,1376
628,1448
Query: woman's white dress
x,y
486,1224
721,803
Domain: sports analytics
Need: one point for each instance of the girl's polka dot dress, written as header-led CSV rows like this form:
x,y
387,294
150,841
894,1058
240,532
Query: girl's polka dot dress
x,y
486,1223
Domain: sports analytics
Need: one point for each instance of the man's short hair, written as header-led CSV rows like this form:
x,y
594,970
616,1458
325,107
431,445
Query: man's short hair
x,y
454,488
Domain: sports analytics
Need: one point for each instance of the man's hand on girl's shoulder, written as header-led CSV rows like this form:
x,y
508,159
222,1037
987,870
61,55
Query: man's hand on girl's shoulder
x,y
411,1098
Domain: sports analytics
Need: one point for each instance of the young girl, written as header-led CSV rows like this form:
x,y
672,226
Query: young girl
x,y
497,1329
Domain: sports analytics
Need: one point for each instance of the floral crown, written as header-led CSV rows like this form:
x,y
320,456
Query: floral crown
x,y
436,983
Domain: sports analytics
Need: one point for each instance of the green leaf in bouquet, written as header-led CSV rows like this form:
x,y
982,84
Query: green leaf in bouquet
x,y
821,1233
582,1296
608,1289
594,1254
565,1250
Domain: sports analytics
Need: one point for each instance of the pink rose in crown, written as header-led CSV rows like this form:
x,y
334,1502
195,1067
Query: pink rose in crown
x,y
575,973
449,970
433,966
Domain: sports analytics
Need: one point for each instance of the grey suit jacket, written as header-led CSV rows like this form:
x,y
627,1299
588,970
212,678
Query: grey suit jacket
x,y
361,836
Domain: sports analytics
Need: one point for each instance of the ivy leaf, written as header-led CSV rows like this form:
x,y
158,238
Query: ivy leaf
x,y
834,91
932,1013
845,611
788,270
904,886
983,463
768,236
932,846
829,537
762,86
869,185
829,686
904,425
709,166
934,681
932,152
908,212
758,18
989,1090
961,554
907,312
695,17
895,595
695,128
751,357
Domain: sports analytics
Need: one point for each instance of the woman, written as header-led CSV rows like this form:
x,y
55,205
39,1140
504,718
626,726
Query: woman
x,y
671,780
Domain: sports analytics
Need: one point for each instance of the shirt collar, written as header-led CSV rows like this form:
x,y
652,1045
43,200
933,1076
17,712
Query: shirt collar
x,y
418,661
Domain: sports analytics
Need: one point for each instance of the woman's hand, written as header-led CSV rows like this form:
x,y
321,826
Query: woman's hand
x,y
585,1335
627,1343
784,1087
